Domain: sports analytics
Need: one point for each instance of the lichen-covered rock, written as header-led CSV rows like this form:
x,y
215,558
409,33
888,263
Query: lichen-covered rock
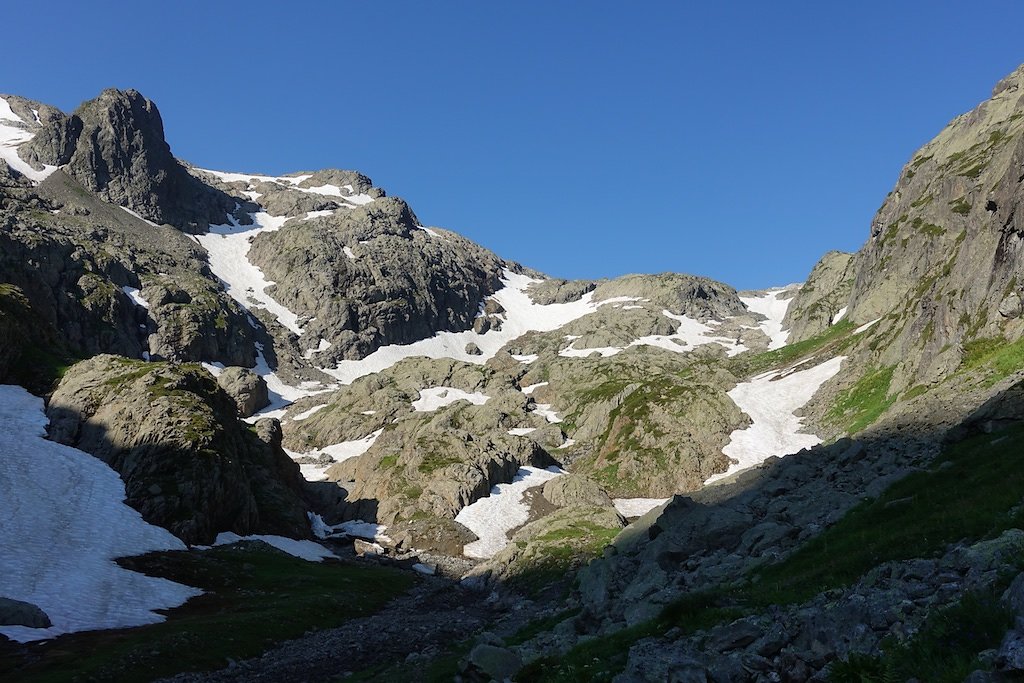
x,y
405,283
820,299
173,435
572,489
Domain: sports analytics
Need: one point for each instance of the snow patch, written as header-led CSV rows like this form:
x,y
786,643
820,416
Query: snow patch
x,y
774,309
228,248
136,296
338,452
545,411
309,413
64,523
840,314
529,389
438,397
866,326
521,315
137,215
304,550
522,431
637,507
770,400
12,135
493,516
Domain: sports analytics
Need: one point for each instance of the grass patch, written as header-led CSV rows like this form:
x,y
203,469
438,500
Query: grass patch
x,y
972,493
835,338
995,356
254,598
539,626
969,495
945,650
960,206
862,404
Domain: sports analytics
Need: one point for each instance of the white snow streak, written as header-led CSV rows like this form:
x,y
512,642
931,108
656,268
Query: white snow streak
x,y
689,334
866,326
338,452
309,413
11,136
493,516
136,296
533,387
521,315
637,507
228,247
438,397
304,550
522,431
840,314
545,410
64,522
771,306
770,400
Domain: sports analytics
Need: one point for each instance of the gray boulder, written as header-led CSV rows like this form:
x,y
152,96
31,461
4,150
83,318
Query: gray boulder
x,y
18,613
246,388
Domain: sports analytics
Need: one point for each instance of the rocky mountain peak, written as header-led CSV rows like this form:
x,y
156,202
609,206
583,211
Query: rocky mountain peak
x,y
114,145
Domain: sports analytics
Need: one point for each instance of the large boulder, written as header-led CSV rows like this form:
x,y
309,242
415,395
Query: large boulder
x,y
246,388
173,435
18,613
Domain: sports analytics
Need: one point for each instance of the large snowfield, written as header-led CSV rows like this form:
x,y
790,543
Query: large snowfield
x,y
64,523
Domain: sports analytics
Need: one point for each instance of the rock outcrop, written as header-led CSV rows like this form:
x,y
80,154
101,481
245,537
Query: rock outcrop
x,y
823,298
114,146
188,463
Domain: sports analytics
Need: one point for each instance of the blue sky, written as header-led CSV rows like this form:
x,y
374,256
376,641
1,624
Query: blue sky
x,y
589,139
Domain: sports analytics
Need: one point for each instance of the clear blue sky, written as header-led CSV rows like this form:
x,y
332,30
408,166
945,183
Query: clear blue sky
x,y
737,140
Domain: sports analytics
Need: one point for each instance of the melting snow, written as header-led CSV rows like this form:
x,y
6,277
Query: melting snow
x,y
770,400
438,397
11,136
522,431
64,522
136,215
637,507
338,452
228,247
304,550
522,315
493,516
770,305
533,387
840,314
351,254
136,296
689,334
545,410
309,413
866,326
432,233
